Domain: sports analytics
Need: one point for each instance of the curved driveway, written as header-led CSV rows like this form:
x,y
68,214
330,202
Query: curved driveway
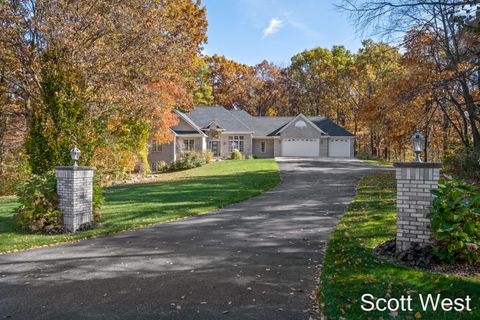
x,y
252,260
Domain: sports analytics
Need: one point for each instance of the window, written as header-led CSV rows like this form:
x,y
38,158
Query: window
x,y
188,145
263,147
156,147
236,143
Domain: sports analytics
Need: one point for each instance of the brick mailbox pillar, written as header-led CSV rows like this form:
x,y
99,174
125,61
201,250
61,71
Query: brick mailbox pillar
x,y
75,193
414,200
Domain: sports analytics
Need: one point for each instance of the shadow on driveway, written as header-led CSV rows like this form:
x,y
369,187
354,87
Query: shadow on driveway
x,y
251,260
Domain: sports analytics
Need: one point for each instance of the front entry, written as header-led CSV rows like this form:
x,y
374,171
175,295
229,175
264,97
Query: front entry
x,y
215,148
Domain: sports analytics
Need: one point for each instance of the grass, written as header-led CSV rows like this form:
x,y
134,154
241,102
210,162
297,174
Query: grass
x,y
352,269
179,194
379,162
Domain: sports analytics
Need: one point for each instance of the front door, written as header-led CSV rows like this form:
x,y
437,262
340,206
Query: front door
x,y
215,148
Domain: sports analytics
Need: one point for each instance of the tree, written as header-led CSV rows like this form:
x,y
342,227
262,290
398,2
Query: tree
x,y
454,51
310,72
203,92
125,55
270,89
231,82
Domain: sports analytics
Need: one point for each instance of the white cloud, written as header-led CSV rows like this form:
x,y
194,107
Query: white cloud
x,y
273,27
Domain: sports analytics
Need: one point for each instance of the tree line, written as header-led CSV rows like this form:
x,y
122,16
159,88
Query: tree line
x,y
105,76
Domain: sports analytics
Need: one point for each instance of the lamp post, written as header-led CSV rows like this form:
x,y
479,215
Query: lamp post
x,y
75,154
417,141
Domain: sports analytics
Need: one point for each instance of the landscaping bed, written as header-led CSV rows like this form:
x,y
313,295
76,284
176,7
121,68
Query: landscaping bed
x,y
353,268
178,194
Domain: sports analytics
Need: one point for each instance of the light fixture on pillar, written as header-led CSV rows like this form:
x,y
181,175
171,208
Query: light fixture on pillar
x,y
75,154
418,142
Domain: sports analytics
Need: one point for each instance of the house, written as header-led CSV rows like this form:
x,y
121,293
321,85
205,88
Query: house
x,y
222,131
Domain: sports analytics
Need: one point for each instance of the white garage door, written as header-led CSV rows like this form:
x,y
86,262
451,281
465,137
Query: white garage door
x,y
300,147
338,147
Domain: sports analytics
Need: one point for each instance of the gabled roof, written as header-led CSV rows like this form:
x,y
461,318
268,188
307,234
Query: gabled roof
x,y
190,122
330,127
242,121
209,126
301,116
203,116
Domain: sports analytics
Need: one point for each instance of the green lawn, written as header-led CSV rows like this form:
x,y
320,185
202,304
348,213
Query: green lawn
x,y
179,194
352,269
379,162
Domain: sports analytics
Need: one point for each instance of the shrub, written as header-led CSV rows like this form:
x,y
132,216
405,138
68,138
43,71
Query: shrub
x,y
461,163
38,199
236,155
250,157
161,166
455,220
39,204
207,156
188,160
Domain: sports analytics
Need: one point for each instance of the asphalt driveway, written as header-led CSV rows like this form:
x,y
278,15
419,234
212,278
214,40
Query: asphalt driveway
x,y
253,260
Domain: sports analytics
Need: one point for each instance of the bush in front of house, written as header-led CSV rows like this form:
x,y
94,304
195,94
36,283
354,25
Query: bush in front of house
x,y
455,220
236,155
207,156
38,211
188,160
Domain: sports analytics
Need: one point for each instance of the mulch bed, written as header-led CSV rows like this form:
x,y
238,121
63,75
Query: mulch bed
x,y
424,258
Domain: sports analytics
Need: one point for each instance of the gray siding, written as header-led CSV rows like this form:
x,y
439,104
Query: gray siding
x,y
257,149
277,148
167,155
308,132
323,147
197,145
224,148
182,125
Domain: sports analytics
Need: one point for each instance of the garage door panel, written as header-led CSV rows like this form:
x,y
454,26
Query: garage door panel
x,y
338,147
300,147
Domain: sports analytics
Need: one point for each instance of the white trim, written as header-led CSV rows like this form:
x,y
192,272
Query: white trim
x,y
306,119
237,132
343,137
190,122
266,137
219,127
190,135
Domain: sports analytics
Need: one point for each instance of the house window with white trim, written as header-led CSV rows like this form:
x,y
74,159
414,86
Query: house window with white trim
x,y
263,147
189,145
236,143
156,147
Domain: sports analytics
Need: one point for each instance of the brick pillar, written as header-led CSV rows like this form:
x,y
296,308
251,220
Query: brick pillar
x,y
75,193
414,199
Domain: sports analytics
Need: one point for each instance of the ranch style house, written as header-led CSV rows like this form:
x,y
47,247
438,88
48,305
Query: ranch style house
x,y
222,131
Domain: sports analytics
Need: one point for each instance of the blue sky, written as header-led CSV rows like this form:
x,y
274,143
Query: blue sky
x,y
249,31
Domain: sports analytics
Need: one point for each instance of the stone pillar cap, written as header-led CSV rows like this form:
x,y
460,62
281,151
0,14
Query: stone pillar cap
x,y
78,168
417,164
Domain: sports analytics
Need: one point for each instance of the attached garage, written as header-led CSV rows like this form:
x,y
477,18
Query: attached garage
x,y
300,147
339,147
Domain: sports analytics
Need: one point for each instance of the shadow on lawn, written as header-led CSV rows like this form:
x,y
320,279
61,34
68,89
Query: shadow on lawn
x,y
352,263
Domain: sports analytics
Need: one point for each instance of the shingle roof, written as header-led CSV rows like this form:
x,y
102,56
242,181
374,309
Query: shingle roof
x,y
180,132
242,121
202,116
330,127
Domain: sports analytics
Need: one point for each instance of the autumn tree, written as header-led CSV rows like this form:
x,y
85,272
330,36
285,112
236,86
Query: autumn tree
x,y
453,49
231,82
270,91
124,56
310,72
